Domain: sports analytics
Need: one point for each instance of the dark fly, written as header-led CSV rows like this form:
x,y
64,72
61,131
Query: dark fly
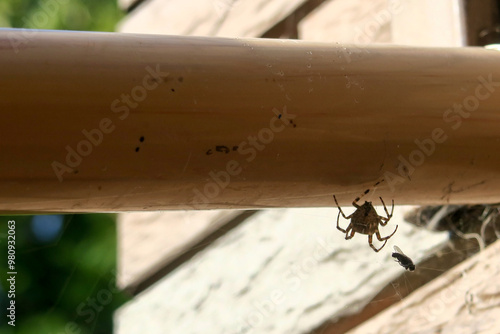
x,y
403,260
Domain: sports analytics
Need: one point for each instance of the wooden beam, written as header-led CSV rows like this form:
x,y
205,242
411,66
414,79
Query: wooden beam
x,y
350,21
429,23
228,18
129,5
149,242
483,20
120,122
465,297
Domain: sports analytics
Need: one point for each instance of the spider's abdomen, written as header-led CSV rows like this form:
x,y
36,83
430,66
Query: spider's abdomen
x,y
365,220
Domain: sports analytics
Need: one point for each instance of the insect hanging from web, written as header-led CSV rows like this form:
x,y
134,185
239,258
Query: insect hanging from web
x,y
365,220
403,259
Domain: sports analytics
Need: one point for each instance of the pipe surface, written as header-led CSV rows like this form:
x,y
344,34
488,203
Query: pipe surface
x,y
97,122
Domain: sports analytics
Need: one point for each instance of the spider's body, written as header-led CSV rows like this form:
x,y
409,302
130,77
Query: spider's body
x,y
362,217
365,220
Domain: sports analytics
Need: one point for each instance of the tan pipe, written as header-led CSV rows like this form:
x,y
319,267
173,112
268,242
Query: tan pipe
x,y
119,122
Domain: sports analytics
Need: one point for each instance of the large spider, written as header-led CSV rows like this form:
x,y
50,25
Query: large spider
x,y
365,220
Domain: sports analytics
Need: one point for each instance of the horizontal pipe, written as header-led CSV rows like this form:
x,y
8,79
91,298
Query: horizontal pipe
x,y
120,122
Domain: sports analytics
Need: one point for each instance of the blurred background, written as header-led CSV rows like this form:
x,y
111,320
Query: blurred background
x,y
259,271
86,15
65,267
65,263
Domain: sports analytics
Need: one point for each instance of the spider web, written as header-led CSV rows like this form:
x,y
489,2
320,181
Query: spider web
x,y
471,228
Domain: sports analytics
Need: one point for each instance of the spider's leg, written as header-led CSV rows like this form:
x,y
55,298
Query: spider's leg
x,y
347,237
338,206
385,238
389,216
370,241
357,199
338,227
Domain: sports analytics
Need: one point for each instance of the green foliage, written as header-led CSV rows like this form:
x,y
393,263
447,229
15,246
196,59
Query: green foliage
x,y
67,284
88,15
